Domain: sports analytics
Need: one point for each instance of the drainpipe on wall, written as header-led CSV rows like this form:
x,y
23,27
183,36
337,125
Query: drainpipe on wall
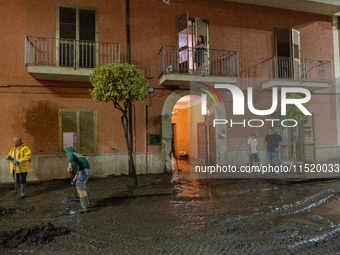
x,y
128,45
146,140
128,60
147,104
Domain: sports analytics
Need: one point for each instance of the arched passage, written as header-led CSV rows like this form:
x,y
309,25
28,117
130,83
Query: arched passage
x,y
220,130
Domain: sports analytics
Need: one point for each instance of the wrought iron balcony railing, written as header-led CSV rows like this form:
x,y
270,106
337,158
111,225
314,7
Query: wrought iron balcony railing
x,y
41,51
187,60
292,68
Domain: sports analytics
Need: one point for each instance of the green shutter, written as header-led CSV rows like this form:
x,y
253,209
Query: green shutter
x,y
86,127
69,129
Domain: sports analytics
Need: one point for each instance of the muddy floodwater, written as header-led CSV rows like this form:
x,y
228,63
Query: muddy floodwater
x,y
173,214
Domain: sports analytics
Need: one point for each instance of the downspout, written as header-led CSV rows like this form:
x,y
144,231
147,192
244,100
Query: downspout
x,y
146,140
128,41
128,60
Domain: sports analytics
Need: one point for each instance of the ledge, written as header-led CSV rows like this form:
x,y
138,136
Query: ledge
x,y
310,85
183,80
60,73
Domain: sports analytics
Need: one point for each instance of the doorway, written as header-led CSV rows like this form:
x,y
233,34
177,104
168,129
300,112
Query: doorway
x,y
180,122
167,120
287,51
299,142
76,30
188,30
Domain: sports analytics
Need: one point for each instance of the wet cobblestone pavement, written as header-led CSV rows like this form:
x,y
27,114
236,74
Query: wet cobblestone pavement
x,y
173,214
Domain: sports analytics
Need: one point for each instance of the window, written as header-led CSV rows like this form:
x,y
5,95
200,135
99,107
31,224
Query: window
x,y
77,128
77,35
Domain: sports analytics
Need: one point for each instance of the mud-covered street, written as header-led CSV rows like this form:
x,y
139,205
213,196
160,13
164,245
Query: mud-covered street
x,y
173,214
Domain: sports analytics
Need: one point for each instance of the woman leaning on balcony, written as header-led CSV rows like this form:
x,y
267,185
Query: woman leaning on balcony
x,y
199,53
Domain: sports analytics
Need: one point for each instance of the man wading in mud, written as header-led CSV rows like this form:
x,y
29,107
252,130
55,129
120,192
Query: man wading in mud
x,y
83,173
20,155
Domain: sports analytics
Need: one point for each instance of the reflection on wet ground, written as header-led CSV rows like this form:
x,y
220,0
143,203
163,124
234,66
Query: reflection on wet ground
x,y
265,216
176,214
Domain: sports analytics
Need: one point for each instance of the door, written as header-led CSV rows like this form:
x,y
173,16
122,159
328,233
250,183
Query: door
x,y
282,63
201,138
292,144
309,141
295,52
212,146
87,38
201,29
77,36
67,36
287,61
183,43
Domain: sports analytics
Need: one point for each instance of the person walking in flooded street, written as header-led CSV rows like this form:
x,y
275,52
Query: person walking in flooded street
x,y
82,167
252,150
20,157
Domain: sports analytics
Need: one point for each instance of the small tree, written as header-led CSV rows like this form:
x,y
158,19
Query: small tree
x,y
292,112
121,84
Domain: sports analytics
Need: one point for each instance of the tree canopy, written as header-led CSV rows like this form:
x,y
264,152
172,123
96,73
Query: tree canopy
x,y
118,82
293,112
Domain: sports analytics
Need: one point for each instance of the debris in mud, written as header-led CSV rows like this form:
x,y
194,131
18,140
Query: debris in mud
x,y
36,235
6,212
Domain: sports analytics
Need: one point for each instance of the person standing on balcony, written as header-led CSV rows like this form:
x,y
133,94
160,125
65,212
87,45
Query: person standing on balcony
x,y
274,143
83,172
20,157
199,53
252,150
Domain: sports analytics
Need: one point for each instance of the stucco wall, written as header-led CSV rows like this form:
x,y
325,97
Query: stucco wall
x,y
54,167
29,107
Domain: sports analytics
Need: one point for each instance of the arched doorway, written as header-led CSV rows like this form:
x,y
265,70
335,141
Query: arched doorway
x,y
167,132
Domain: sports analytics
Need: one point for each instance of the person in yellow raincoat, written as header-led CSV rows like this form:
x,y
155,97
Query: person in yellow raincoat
x,y
20,157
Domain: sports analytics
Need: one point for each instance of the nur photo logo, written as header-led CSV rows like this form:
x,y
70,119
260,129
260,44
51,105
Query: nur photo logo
x,y
238,104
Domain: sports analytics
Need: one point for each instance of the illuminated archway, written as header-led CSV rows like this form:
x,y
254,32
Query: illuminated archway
x,y
221,142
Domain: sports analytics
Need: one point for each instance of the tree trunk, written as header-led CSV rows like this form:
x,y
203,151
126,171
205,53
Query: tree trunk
x,y
132,168
125,123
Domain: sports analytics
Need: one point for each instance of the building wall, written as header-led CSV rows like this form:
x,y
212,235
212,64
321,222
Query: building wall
x,y
30,107
249,30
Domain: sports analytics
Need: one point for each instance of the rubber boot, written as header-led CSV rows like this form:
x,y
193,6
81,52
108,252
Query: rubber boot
x,y
22,190
87,194
17,191
83,203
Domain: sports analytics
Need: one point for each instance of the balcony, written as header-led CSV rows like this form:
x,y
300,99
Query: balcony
x,y
66,59
177,66
292,72
325,7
